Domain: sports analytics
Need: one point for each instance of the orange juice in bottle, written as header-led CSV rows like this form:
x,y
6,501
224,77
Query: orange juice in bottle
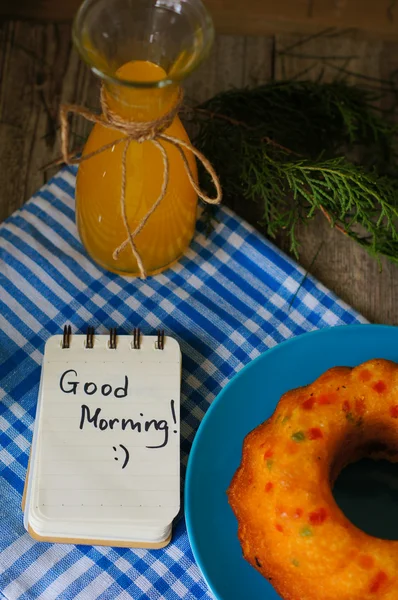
x,y
141,50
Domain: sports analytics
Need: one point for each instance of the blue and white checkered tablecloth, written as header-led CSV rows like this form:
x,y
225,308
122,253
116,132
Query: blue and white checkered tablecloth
x,y
227,301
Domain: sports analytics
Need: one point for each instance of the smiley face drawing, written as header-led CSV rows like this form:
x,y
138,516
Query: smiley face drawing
x,y
126,457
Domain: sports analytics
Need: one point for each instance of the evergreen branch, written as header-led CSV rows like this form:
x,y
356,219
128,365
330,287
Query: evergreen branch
x,y
307,117
352,198
283,144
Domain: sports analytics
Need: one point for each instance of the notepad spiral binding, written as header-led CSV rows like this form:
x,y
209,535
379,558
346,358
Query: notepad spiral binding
x,y
112,344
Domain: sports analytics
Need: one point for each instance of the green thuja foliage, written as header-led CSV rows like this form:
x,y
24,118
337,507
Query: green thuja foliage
x,y
299,147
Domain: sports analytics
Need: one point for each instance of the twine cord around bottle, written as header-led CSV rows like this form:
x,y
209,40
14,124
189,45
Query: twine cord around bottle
x,y
151,131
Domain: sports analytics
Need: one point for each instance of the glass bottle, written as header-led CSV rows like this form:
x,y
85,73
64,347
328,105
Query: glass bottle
x,y
141,50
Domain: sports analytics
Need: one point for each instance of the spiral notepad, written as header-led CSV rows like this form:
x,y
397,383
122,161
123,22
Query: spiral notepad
x,y
105,459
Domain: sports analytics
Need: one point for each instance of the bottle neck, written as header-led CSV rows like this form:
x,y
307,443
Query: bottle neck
x,y
141,103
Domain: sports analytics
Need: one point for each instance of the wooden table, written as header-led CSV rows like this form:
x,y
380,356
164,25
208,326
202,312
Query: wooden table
x,y
39,70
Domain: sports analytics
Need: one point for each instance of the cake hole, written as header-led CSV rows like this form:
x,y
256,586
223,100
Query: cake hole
x,y
367,493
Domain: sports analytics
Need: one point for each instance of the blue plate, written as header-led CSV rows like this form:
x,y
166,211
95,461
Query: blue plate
x,y
248,399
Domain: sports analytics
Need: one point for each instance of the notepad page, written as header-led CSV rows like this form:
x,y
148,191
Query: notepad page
x,y
107,455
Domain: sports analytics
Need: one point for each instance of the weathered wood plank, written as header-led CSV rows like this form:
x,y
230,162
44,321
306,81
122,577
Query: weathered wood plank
x,y
223,69
253,16
39,70
18,111
331,55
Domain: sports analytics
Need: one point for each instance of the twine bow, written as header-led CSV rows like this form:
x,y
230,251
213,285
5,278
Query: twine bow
x,y
150,131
